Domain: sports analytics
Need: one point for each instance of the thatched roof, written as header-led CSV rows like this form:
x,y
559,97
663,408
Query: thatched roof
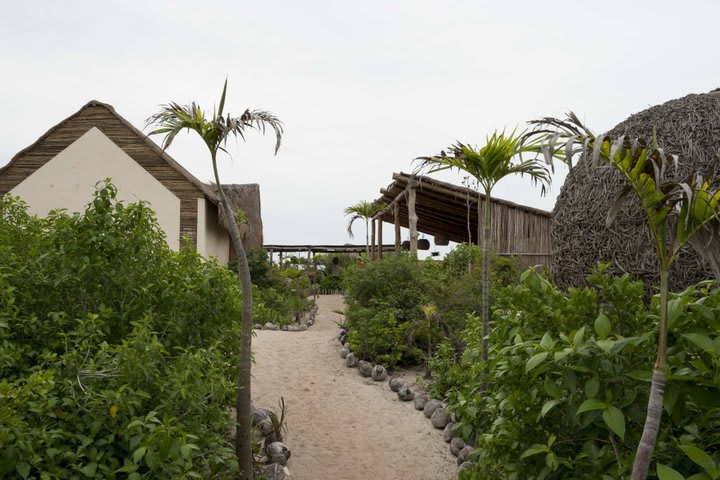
x,y
688,127
205,188
246,198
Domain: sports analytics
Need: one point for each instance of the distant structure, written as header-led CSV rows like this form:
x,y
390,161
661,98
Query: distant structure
x,y
62,167
450,212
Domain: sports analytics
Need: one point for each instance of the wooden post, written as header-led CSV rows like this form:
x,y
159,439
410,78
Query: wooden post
x,y
412,222
372,239
280,255
271,256
379,230
396,213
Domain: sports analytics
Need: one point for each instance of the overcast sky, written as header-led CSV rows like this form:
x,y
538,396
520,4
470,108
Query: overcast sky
x,y
362,87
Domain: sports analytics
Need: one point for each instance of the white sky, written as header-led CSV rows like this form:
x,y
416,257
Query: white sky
x,y
362,87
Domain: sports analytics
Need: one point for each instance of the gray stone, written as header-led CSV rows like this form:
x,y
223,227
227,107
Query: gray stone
x,y
258,326
395,384
285,328
270,326
406,394
266,427
463,454
351,360
343,339
431,406
440,418
448,432
456,444
275,471
342,332
302,328
278,452
379,373
420,402
365,368
345,350
259,414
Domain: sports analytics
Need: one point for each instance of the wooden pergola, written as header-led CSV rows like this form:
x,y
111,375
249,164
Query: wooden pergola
x,y
311,250
450,213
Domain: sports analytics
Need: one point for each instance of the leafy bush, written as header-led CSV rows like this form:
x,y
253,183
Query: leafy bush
x,y
385,299
564,391
117,355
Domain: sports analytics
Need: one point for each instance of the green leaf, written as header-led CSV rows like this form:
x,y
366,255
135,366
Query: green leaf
x,y
535,360
615,419
89,469
592,387
138,454
701,458
676,308
602,325
547,343
534,450
666,473
23,469
549,406
579,337
591,404
702,341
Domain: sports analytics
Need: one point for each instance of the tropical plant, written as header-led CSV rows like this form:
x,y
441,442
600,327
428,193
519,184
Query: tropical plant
x,y
675,211
363,210
488,165
215,131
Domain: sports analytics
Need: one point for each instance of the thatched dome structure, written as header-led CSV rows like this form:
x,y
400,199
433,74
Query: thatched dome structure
x,y
688,127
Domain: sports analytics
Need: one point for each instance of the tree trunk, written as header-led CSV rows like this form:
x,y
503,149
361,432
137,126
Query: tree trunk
x,y
412,222
485,272
373,247
243,433
643,456
396,215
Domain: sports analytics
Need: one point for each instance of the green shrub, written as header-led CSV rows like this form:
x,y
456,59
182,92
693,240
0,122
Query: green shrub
x,y
564,390
117,355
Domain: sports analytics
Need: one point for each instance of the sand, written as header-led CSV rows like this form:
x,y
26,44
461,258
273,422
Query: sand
x,y
342,426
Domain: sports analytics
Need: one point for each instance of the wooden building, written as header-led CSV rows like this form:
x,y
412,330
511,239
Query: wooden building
x,y
450,213
61,168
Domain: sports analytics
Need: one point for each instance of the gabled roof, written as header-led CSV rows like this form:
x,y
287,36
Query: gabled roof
x,y
56,139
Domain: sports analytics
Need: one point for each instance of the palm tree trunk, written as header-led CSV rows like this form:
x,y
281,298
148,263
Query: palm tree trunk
x,y
243,432
643,456
485,274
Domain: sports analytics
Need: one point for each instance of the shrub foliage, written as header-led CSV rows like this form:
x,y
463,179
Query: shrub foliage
x,y
117,355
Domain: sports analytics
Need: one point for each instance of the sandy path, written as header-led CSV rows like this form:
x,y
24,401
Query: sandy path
x,y
342,426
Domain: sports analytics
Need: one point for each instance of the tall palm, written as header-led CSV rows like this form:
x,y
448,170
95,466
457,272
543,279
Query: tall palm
x,y
363,210
489,164
215,131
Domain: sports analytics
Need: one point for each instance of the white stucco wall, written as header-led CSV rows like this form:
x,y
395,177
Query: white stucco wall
x,y
212,239
68,181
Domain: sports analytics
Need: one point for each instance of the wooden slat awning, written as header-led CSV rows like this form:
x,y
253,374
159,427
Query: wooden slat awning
x,y
446,209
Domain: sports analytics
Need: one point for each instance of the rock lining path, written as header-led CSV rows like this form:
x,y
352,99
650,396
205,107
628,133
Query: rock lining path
x,y
342,426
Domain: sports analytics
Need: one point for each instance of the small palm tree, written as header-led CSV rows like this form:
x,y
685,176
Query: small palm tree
x,y
215,131
675,211
365,210
488,165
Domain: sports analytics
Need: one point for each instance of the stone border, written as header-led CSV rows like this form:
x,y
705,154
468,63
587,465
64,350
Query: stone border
x,y
433,409
291,328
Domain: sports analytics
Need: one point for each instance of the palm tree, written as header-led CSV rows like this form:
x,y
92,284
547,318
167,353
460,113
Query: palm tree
x,y
215,131
365,210
675,211
489,165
